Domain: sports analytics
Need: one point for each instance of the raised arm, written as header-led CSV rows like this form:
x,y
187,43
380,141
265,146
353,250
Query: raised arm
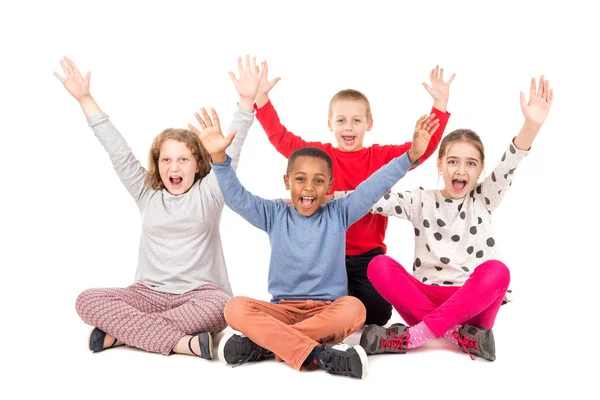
x,y
128,168
369,191
535,111
254,209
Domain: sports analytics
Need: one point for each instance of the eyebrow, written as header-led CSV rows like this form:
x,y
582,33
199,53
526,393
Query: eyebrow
x,y
468,158
304,173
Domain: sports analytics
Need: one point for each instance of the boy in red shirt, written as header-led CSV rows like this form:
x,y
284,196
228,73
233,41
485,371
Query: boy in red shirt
x,y
349,119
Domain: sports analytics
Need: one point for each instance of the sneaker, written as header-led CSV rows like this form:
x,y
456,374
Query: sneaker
x,y
476,341
341,359
237,349
376,339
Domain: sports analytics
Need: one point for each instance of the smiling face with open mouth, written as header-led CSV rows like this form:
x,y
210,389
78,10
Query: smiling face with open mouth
x,y
460,167
349,124
177,167
308,181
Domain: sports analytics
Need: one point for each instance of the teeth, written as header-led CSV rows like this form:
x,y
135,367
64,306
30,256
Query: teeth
x,y
308,198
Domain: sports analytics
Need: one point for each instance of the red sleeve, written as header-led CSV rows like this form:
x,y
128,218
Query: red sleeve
x,y
284,141
435,140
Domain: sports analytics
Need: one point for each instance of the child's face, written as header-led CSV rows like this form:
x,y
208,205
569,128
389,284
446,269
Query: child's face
x,y
349,124
308,182
177,167
460,168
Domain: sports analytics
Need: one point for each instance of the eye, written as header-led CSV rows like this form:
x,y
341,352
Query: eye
x,y
451,162
472,164
320,181
299,179
357,121
183,159
164,160
340,120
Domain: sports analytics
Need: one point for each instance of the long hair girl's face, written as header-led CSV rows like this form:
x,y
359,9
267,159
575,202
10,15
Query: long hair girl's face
x,y
177,167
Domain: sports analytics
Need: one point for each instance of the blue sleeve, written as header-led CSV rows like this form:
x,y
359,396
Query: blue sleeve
x,y
360,201
254,209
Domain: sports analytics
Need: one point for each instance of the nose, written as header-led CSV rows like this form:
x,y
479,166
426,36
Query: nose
x,y
348,126
175,166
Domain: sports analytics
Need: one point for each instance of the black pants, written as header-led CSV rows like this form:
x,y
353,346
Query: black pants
x,y
379,311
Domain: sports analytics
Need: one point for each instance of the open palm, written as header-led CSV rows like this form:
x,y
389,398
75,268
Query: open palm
x,y
210,135
439,90
540,100
75,84
249,78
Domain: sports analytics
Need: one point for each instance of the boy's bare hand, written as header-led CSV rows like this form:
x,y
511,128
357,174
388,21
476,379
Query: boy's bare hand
x,y
439,90
262,97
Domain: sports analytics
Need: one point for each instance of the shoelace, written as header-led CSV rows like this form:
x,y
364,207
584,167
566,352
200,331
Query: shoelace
x,y
334,363
466,343
396,342
253,353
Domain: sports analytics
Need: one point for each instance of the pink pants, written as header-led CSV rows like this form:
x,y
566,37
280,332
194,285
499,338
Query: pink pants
x,y
476,302
150,320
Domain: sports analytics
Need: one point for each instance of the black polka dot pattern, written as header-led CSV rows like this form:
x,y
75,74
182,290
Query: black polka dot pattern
x,y
490,242
428,248
487,201
470,249
448,200
479,220
437,205
379,209
426,223
465,269
504,156
400,195
455,238
511,171
478,189
398,210
438,268
460,206
437,236
447,283
386,196
462,215
479,254
493,177
445,260
417,233
441,223
512,149
473,230
424,279
418,262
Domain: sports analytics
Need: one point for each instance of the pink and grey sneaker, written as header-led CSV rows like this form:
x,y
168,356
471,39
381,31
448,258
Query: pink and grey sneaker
x,y
477,341
376,339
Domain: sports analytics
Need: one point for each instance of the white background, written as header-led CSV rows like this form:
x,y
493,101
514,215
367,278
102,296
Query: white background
x,y
67,224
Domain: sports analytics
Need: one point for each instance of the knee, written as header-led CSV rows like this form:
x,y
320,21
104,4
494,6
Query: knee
x,y
355,307
379,266
85,301
495,272
235,309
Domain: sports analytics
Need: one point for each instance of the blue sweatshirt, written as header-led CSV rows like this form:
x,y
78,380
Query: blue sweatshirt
x,y
307,253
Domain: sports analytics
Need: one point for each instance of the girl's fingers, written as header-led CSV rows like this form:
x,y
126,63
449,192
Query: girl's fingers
x,y
215,118
59,77
193,129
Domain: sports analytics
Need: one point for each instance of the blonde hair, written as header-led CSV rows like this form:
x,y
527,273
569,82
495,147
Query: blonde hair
x,y
184,136
461,135
351,94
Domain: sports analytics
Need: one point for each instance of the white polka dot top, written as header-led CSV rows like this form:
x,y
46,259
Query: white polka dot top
x,y
452,237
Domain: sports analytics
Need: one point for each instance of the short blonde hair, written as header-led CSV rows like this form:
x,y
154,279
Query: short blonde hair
x,y
461,135
351,94
184,136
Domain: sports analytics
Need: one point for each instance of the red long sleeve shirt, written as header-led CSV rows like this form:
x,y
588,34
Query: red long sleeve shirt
x,y
349,170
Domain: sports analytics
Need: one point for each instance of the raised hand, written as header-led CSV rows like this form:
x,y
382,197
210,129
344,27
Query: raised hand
x,y
75,84
536,109
424,129
439,90
211,136
248,82
262,97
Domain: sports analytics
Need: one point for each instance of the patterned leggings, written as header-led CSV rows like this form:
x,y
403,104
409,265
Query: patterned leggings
x,y
150,320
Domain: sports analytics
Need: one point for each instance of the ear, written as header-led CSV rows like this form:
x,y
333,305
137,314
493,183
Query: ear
x,y
286,181
197,167
329,186
369,125
329,125
439,165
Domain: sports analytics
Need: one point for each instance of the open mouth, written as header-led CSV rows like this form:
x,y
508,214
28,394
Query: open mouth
x,y
307,202
459,184
349,140
175,180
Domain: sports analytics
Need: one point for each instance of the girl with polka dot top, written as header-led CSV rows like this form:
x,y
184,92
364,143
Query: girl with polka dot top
x,y
458,284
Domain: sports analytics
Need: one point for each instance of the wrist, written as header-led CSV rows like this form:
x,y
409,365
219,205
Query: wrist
x,y
412,156
440,105
246,104
219,158
261,100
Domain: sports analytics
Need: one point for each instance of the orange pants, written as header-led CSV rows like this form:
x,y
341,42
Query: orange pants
x,y
292,328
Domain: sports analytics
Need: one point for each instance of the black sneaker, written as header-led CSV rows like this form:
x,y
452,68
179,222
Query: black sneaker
x,y
376,339
237,349
341,359
477,341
